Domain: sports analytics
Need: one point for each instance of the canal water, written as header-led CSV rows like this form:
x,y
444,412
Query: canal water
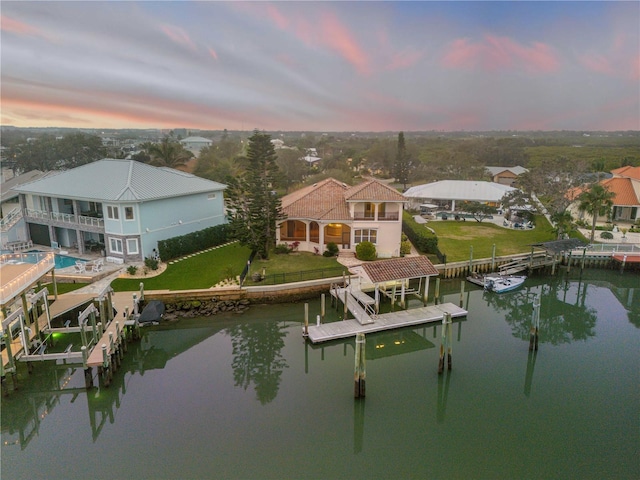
x,y
245,397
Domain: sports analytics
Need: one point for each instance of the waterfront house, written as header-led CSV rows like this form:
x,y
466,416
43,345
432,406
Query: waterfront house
x,y
196,143
121,208
625,184
332,211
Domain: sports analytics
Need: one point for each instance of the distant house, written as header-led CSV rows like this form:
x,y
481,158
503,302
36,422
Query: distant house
x,y
277,143
310,159
331,211
195,144
505,175
625,184
446,193
122,207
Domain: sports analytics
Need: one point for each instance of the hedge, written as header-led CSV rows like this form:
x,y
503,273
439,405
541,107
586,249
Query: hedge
x,y
422,239
192,242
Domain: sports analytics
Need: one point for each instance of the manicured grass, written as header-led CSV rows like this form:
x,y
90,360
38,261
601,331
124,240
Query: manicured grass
x,y
290,263
203,270
455,239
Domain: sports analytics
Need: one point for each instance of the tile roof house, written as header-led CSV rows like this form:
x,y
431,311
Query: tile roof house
x,y
332,211
625,184
121,206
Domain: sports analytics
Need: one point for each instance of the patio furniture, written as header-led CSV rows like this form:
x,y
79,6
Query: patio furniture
x,y
80,267
98,265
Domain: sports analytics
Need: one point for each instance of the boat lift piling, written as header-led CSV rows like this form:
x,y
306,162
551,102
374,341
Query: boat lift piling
x,y
445,343
437,292
305,332
462,292
535,324
360,373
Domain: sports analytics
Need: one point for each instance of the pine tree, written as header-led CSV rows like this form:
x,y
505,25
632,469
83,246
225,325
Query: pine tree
x,y
254,206
402,165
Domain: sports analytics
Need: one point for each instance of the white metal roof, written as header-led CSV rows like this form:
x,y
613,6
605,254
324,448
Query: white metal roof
x,y
196,140
517,170
120,180
469,190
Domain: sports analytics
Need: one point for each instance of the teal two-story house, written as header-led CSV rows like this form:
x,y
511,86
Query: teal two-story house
x,y
121,208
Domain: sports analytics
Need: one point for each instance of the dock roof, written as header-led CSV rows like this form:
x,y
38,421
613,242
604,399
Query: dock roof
x,y
399,269
559,246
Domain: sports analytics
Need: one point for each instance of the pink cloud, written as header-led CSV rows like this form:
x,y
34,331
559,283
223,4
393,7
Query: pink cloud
x,y
277,17
337,37
213,53
404,59
8,24
499,53
597,63
178,36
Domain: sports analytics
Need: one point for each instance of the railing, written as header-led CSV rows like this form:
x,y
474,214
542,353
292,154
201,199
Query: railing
x,y
16,285
613,247
66,218
387,217
291,277
10,220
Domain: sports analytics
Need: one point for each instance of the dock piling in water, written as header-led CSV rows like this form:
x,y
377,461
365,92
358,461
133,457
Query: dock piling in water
x,y
445,343
360,374
535,324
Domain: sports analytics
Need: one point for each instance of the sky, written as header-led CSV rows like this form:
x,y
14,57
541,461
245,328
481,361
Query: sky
x,y
321,66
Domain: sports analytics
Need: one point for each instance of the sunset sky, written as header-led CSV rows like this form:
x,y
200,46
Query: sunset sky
x,y
322,66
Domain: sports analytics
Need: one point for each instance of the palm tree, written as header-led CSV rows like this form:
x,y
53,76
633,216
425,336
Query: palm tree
x,y
563,222
598,200
169,154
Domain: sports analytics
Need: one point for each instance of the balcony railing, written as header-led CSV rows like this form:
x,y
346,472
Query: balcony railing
x,y
10,219
67,218
387,217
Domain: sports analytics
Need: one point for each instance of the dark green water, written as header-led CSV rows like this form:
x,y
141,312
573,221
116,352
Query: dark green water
x,y
245,397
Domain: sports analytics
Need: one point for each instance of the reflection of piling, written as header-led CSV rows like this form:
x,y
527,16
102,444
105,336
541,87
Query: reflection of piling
x,y
528,380
446,342
535,325
360,374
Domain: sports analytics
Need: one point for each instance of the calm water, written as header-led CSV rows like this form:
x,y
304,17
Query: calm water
x,y
245,397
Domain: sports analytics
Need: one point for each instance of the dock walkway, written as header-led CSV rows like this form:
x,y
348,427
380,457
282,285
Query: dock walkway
x,y
386,321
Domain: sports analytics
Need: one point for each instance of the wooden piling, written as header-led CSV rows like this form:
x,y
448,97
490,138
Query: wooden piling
x,y
462,292
306,320
445,343
360,374
535,325
322,306
437,292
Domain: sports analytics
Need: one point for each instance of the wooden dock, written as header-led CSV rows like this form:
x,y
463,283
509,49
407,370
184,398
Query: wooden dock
x,y
386,321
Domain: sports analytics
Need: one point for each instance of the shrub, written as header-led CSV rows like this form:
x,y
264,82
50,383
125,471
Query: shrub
x,y
151,263
282,248
422,239
332,250
606,235
405,247
132,269
192,242
366,251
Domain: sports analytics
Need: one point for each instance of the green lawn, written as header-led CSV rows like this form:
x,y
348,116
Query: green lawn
x,y
295,262
200,271
455,239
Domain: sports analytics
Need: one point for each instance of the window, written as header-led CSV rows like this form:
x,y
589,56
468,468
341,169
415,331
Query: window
x,y
369,210
211,196
115,245
132,245
112,213
366,235
128,213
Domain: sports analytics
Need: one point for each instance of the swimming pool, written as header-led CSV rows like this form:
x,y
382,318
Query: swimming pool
x,y
61,261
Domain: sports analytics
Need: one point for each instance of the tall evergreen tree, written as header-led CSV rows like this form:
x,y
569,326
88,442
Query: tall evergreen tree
x,y
253,204
402,165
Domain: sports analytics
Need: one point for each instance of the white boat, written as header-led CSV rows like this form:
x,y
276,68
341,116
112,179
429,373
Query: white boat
x,y
501,284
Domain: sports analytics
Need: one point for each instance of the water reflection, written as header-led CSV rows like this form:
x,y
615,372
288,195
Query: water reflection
x,y
257,357
564,316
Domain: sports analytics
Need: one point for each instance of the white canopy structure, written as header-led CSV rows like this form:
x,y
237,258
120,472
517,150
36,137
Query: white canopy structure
x,y
450,191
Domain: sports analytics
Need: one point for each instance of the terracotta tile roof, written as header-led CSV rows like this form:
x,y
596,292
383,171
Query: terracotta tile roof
x,y
399,268
322,201
373,190
327,200
628,172
623,188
